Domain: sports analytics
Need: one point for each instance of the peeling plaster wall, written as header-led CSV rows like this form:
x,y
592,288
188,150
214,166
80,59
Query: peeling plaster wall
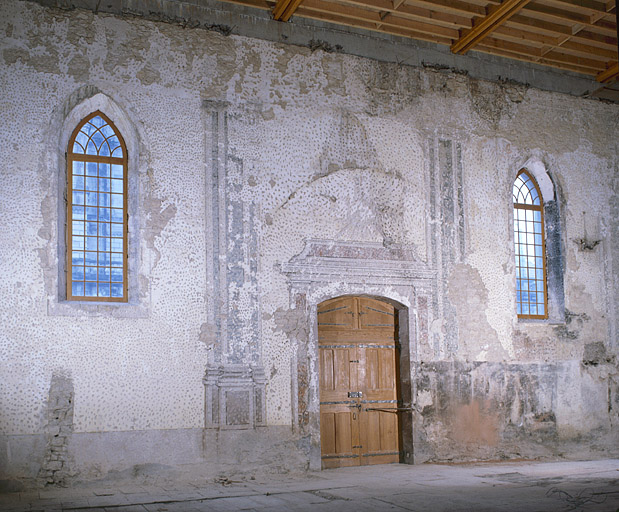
x,y
242,150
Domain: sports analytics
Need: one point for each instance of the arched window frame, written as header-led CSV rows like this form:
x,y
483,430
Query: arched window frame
x,y
101,268
530,248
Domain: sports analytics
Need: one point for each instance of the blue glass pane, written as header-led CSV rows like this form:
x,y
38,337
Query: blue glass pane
x,y
91,243
525,308
117,274
104,214
77,289
117,244
117,201
91,199
77,227
78,197
82,140
91,183
117,152
104,258
117,215
525,296
78,182
91,258
104,229
77,258
78,212
524,285
104,199
77,243
538,239
532,298
90,273
77,273
104,274
541,309
517,284
104,170
117,171
91,289
104,150
117,230
97,138
91,213
104,290
519,308
91,228
117,259
539,274
107,131
104,185
532,285
117,186
91,149
537,227
91,168
104,244
117,290
540,297
539,263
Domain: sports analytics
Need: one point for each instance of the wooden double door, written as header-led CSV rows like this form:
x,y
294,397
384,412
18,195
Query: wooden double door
x,y
358,349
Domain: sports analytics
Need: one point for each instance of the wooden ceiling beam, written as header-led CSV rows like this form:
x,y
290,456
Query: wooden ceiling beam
x,y
398,31
526,58
486,25
609,75
375,17
284,9
583,6
412,12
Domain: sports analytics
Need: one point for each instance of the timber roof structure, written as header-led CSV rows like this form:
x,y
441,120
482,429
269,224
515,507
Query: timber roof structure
x,y
573,35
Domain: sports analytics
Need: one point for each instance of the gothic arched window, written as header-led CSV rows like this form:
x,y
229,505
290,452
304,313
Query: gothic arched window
x,y
97,212
530,248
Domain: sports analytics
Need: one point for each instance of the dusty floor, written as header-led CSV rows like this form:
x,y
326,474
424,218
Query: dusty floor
x,y
555,486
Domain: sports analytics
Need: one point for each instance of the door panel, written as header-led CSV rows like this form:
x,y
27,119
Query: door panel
x,y
358,374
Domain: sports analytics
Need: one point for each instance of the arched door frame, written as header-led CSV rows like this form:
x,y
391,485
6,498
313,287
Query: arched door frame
x,y
408,285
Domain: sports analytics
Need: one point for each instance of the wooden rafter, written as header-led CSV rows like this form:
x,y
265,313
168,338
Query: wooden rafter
x,y
573,35
487,25
284,9
610,75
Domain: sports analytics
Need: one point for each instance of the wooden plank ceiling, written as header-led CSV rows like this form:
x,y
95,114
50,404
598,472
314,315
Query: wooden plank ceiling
x,y
574,35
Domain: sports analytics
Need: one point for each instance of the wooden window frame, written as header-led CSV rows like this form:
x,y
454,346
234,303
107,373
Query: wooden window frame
x,y
79,157
540,209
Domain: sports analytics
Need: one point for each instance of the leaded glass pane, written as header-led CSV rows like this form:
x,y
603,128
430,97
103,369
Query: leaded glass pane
x,y
92,193
529,248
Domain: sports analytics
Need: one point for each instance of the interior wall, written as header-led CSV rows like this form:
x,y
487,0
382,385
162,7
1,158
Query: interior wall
x,y
268,177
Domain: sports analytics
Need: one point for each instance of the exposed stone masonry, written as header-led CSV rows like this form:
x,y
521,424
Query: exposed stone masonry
x,y
55,469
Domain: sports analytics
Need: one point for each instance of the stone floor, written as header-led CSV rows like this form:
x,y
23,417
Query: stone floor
x,y
524,486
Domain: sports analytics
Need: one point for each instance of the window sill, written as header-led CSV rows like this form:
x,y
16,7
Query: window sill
x,y
96,309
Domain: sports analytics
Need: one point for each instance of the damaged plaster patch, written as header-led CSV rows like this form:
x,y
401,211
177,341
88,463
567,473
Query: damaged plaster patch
x,y
56,466
158,218
292,322
478,340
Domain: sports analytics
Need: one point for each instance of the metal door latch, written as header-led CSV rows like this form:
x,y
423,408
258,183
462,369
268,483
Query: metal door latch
x,y
355,394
